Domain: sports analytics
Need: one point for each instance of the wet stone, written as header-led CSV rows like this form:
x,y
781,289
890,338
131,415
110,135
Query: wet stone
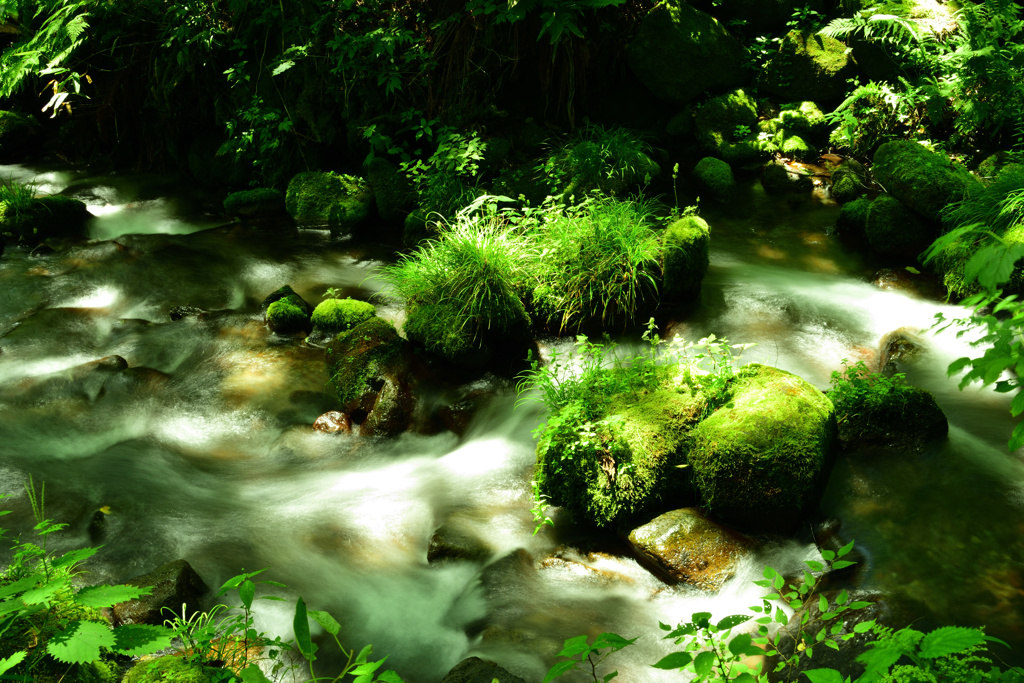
x,y
333,422
174,584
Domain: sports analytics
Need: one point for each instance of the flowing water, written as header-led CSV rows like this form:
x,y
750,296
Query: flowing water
x,y
202,449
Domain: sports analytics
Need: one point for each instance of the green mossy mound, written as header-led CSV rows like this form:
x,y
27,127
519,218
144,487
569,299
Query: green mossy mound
x,y
341,202
392,191
795,147
45,218
849,181
777,179
287,316
613,160
362,361
170,669
894,229
901,417
285,291
255,203
804,119
18,136
807,66
623,466
685,249
332,316
923,180
714,177
759,461
439,329
726,126
679,53
852,221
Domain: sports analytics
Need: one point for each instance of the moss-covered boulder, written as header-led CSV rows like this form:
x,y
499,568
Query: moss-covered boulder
x,y
714,178
849,180
332,316
920,178
726,126
852,222
888,414
894,229
285,292
171,669
19,134
285,312
176,586
807,66
368,374
44,219
341,202
795,147
804,119
760,460
392,191
261,202
685,546
685,259
623,466
438,328
679,53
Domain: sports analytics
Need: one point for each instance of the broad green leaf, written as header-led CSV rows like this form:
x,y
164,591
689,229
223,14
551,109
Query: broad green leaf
x,y
108,596
731,621
612,640
253,674
824,676
814,565
136,640
364,654
860,604
828,555
842,564
559,669
43,593
822,603
744,677
676,660
950,639
390,676
832,644
610,676
1017,437
701,619
329,623
741,645
74,557
864,626
842,552
80,642
664,627
703,663
21,585
247,592
843,597
301,626
367,668
575,646
780,616
8,663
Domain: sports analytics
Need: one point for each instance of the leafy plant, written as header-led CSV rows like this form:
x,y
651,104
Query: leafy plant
x,y
856,388
596,157
582,653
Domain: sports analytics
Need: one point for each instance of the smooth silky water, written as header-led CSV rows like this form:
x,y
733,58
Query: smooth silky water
x,y
203,449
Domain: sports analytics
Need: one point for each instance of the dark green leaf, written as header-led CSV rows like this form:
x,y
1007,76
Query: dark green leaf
x,y
8,663
329,623
844,550
80,642
815,566
822,603
676,660
733,620
136,640
390,676
703,663
108,596
701,619
823,676
950,639
828,555
843,597
575,646
253,674
864,626
559,669
612,640
842,564
860,604
74,557
302,636
247,591
742,645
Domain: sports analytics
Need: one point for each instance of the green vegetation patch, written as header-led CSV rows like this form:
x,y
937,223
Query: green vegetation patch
x,y
723,123
254,202
612,160
892,228
358,357
337,315
758,460
35,219
715,177
808,66
170,669
685,253
441,330
287,315
326,198
922,179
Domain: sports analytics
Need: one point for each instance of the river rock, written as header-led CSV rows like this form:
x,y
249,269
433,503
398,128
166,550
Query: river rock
x,y
759,461
333,422
174,584
451,542
686,547
807,66
392,191
849,181
714,177
44,219
285,312
685,257
923,285
332,316
476,670
897,349
904,419
679,53
922,179
258,203
368,372
852,222
340,202
727,124
19,135
894,229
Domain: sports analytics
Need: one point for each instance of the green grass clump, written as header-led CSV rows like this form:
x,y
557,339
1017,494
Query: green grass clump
x,y
477,267
609,159
337,315
598,264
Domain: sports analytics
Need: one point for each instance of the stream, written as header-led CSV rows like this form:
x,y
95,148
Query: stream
x,y
203,449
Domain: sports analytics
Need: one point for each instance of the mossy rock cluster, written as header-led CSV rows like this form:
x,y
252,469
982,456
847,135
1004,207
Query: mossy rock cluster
x,y
685,259
922,179
852,222
904,418
714,178
726,127
18,136
440,329
256,203
895,230
620,467
777,179
171,669
333,316
44,219
807,66
759,461
319,198
795,131
285,312
850,181
679,53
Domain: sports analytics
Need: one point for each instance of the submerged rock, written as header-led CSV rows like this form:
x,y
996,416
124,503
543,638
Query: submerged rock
x,y
759,461
687,547
174,584
45,218
894,229
476,670
285,312
258,203
333,422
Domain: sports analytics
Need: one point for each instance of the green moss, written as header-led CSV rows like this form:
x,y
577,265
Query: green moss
x,y
170,669
620,467
727,118
337,315
324,198
808,66
758,460
795,147
356,358
714,176
254,202
45,218
392,191
286,316
441,330
849,181
804,119
853,218
892,228
685,258
923,180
